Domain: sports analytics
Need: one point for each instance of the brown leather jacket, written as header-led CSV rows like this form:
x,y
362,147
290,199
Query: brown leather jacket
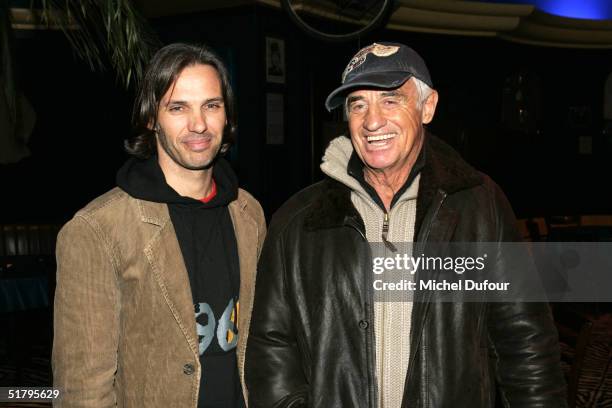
x,y
125,330
311,341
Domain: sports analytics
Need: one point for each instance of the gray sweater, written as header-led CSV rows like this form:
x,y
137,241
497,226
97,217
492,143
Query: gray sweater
x,y
392,318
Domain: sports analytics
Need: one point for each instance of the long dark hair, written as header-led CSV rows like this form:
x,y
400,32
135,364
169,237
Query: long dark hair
x,y
163,70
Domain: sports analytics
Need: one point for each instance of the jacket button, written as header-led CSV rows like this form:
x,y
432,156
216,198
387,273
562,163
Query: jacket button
x,y
188,369
363,324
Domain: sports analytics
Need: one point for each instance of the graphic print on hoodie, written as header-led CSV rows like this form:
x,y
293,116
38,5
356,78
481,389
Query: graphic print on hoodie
x,y
208,244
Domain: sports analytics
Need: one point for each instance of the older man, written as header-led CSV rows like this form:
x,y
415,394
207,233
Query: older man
x,y
320,338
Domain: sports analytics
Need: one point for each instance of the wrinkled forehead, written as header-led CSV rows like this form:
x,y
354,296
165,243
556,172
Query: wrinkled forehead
x,y
408,88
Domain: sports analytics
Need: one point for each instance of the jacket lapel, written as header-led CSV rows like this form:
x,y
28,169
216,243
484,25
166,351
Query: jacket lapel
x,y
437,230
444,173
248,240
246,231
166,260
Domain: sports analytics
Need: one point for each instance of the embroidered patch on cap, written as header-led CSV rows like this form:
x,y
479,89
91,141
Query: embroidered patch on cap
x,y
377,49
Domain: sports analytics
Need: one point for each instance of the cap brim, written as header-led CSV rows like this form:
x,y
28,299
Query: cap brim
x,y
383,80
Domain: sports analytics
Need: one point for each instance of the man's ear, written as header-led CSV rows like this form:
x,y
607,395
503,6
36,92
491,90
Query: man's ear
x,y
429,107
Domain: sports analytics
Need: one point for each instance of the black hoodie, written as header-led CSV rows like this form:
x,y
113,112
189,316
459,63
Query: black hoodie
x,y
208,244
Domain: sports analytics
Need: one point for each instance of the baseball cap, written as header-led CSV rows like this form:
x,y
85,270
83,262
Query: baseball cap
x,y
383,65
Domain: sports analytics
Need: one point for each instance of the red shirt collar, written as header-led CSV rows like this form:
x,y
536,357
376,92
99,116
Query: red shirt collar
x,y
212,194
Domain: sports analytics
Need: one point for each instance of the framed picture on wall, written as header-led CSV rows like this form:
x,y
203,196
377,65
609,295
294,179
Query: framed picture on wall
x,y
275,60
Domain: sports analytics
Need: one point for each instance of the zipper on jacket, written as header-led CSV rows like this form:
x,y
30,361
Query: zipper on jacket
x,y
420,244
426,229
385,233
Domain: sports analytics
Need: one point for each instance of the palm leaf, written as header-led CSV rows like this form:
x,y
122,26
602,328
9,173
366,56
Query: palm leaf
x,y
105,33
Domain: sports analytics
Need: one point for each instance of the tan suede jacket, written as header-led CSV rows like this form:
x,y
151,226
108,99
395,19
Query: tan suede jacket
x,y
125,330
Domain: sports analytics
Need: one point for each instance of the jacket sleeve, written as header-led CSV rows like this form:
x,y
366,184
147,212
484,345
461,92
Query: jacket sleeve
x,y
273,370
86,318
524,338
526,355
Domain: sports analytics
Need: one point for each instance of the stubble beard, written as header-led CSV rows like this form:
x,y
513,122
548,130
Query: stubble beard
x,y
173,154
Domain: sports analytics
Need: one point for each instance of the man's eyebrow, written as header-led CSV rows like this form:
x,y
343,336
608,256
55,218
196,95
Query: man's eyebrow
x,y
391,93
218,99
352,99
176,102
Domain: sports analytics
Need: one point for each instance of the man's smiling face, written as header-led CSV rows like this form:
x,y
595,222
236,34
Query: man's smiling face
x,y
386,126
192,118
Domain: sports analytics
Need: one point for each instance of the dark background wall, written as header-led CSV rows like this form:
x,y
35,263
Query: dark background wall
x,y
76,144
84,117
